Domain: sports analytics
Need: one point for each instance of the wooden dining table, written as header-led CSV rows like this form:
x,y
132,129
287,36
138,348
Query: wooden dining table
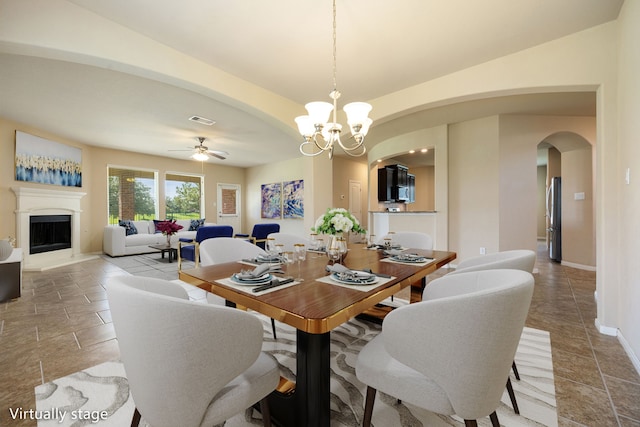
x,y
315,308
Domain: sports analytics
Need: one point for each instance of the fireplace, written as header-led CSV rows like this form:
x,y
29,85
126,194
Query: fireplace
x,y
48,227
49,233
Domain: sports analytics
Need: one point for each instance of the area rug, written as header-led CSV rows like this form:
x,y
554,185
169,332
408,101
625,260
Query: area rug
x,y
100,395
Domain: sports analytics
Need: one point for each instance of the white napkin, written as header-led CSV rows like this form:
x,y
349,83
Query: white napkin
x,y
339,268
268,258
259,271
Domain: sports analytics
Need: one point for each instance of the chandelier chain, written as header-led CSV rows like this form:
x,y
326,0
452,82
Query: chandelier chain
x,y
335,42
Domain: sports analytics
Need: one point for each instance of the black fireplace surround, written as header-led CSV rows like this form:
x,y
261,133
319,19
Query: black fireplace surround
x,y
49,233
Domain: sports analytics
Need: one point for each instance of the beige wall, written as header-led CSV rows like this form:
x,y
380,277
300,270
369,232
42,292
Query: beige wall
x,y
474,178
425,189
622,308
324,182
345,170
578,225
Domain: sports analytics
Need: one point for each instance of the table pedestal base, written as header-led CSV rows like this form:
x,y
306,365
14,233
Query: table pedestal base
x,y
309,403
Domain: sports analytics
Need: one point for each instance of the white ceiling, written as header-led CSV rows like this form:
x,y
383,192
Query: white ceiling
x,y
283,46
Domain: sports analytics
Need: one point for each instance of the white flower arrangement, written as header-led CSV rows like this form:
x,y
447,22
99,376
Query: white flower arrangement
x,y
337,220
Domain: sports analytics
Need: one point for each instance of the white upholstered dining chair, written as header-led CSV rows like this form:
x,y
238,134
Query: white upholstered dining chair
x,y
517,259
187,363
229,249
289,240
410,239
458,361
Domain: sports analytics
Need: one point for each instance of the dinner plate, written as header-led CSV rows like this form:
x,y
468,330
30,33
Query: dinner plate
x,y
354,281
260,280
262,258
408,258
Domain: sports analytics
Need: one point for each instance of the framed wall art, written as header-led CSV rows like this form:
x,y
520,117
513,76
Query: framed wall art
x,y
293,199
271,200
47,162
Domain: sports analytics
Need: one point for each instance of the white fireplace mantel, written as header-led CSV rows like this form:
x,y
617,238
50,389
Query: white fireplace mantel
x,y
41,201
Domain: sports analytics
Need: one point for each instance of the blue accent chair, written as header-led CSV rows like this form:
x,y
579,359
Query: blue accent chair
x,y
189,249
260,232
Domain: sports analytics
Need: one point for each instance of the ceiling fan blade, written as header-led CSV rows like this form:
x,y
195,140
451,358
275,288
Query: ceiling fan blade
x,y
218,154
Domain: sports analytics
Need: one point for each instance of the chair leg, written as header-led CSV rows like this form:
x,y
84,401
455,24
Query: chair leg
x,y
470,423
135,421
273,327
368,406
512,396
494,419
515,370
264,410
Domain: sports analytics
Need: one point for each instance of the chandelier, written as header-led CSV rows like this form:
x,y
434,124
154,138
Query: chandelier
x,y
320,134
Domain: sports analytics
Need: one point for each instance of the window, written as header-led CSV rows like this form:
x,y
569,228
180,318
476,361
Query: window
x,y
133,194
184,196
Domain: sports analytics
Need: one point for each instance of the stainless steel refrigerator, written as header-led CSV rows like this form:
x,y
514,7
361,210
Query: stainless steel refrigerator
x,y
554,193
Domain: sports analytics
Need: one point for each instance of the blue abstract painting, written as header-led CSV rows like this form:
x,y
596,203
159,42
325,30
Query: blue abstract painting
x,y
271,195
47,162
293,199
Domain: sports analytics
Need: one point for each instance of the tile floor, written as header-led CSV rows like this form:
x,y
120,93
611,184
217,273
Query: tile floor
x,y
62,324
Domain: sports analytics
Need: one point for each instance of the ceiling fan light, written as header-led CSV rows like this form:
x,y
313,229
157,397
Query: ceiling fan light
x,y
200,156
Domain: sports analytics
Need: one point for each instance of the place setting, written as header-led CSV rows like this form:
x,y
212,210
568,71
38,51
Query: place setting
x,y
259,280
387,244
362,280
400,256
264,259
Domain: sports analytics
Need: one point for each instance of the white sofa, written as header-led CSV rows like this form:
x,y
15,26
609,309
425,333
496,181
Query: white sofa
x,y
117,243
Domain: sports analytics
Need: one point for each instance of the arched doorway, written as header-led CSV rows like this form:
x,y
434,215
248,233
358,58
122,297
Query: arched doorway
x,y
570,156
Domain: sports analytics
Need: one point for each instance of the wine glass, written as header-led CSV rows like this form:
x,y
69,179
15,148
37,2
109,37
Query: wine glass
x,y
279,250
313,242
288,258
300,253
372,240
271,245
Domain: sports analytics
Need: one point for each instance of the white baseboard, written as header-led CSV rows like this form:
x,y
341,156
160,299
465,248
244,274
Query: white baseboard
x,y
632,356
578,266
607,330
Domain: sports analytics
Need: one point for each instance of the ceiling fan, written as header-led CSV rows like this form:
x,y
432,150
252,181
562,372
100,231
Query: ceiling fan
x,y
202,152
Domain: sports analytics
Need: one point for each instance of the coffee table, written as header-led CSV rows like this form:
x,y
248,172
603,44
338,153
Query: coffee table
x,y
164,248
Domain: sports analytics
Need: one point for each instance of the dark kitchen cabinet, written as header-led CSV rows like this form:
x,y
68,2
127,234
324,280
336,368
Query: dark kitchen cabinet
x,y
385,184
393,183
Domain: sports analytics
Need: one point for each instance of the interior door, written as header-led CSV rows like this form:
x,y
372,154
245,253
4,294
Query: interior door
x,y
228,206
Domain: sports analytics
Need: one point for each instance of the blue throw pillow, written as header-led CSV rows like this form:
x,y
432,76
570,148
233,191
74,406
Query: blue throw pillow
x,y
129,228
195,224
155,225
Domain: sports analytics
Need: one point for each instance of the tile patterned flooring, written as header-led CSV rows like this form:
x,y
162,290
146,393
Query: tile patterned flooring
x,y
62,324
